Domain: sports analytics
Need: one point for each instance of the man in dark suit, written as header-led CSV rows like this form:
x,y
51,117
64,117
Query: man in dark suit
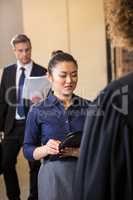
x,y
12,115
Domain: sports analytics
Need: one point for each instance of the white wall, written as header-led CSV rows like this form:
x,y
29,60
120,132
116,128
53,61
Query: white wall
x,y
87,33
76,26
10,24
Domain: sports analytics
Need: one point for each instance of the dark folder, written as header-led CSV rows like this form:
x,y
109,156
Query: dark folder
x,y
72,139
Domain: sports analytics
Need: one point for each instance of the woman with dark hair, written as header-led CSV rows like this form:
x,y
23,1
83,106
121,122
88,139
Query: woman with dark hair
x,y
47,125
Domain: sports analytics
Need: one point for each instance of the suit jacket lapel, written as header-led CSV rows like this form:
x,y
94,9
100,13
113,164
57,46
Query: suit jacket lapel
x,y
13,82
13,75
33,71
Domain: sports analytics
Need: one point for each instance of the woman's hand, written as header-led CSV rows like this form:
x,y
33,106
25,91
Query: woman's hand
x,y
68,151
51,148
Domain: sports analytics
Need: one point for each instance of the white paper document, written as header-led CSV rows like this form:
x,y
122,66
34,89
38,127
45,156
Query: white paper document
x,y
36,87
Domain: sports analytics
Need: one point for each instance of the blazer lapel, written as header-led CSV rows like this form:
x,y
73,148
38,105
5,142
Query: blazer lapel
x,y
12,83
33,71
13,75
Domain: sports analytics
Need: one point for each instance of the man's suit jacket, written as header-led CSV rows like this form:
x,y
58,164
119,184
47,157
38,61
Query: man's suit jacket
x,y
8,97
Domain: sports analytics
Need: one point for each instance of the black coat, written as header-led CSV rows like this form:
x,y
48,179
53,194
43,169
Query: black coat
x,y
0,158
105,167
8,95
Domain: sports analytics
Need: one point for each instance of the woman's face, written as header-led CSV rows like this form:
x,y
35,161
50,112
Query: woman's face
x,y
64,78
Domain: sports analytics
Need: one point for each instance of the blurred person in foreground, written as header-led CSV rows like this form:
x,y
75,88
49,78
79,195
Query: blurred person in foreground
x,y
105,167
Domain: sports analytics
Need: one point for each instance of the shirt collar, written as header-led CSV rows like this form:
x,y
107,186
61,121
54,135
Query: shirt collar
x,y
27,66
53,99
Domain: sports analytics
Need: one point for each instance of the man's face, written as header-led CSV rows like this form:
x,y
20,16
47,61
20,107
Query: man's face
x,y
22,52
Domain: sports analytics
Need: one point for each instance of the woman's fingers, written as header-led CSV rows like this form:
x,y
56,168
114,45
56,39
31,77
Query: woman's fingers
x,y
53,146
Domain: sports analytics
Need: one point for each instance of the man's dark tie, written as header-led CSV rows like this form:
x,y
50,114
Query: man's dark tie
x,y
20,108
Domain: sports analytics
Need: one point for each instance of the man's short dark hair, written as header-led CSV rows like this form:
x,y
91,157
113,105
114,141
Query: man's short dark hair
x,y
20,38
